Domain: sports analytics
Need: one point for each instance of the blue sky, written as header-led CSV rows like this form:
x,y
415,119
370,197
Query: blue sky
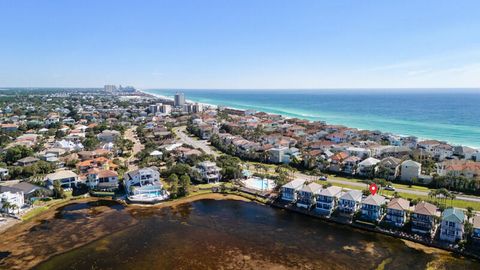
x,y
240,44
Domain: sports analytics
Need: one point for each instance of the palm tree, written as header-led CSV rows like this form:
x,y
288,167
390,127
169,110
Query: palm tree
x,y
6,205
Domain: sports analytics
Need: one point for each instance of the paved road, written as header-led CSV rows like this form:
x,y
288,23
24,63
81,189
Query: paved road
x,y
202,144
181,132
137,147
409,191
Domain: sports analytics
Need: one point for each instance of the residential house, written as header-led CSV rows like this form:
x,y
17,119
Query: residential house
x,y
290,190
67,178
9,127
350,165
368,167
424,218
410,170
452,226
27,161
108,136
209,171
307,195
389,168
476,228
102,179
349,202
29,190
466,168
372,207
397,210
337,161
442,151
327,200
15,199
144,185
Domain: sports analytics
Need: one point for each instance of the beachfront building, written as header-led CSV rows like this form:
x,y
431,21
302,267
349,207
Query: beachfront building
x,y
423,218
209,171
102,179
372,207
66,178
15,200
327,200
452,226
349,202
144,185
410,170
397,210
290,189
307,195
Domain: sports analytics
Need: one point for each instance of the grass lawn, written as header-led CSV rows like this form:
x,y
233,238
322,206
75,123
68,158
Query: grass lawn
x,y
34,212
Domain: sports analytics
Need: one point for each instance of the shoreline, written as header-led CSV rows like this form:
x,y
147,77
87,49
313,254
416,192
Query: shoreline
x,y
420,138
15,249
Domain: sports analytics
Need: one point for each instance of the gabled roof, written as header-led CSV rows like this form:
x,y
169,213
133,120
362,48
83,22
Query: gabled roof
x,y
369,162
453,215
425,208
331,191
311,188
399,204
352,195
411,163
295,184
374,200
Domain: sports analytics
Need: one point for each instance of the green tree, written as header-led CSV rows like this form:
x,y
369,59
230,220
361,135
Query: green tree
x,y
17,152
58,191
173,189
184,185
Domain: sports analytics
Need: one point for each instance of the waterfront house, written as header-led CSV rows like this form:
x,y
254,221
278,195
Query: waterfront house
x,y
368,167
397,212
15,199
452,226
476,228
102,179
424,218
410,170
327,200
349,202
290,189
144,185
66,178
307,195
29,190
372,207
209,171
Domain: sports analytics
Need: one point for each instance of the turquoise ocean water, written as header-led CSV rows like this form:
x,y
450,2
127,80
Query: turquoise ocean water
x,y
451,115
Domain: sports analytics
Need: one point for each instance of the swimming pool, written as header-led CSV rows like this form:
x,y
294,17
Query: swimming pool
x,y
258,183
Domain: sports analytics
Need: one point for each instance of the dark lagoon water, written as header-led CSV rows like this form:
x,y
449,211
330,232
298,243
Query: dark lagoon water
x,y
444,114
211,234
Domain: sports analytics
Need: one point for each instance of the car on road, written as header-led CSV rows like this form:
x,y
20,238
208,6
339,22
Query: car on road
x,y
389,188
323,178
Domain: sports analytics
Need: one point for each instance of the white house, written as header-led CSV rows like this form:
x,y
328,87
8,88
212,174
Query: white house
x,y
410,170
290,189
327,200
209,171
452,226
368,166
307,195
108,136
67,178
16,199
349,202
144,185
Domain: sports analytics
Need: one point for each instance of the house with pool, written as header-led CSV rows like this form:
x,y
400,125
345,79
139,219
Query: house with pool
x,y
307,195
259,184
290,190
143,185
327,200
